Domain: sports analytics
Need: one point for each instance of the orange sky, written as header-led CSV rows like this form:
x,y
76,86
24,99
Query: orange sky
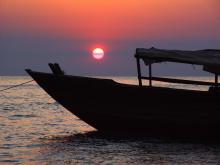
x,y
38,31
112,18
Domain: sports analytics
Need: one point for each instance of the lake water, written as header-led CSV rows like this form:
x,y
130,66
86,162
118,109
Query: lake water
x,y
34,129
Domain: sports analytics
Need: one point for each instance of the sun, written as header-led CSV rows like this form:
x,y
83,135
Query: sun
x,y
98,53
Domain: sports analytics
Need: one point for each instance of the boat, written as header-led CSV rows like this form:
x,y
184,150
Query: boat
x,y
116,108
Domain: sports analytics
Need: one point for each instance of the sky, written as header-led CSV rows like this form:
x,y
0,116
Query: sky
x,y
36,32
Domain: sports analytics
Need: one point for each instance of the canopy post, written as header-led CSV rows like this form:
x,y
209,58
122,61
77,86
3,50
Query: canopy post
x,y
139,71
216,79
150,74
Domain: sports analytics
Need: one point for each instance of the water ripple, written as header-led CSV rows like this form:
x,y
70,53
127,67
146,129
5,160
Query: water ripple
x,y
35,129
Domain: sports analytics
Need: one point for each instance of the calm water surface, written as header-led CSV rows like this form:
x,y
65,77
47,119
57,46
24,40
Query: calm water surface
x,y
34,129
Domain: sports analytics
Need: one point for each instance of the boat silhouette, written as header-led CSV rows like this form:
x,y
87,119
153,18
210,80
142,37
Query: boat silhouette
x,y
117,108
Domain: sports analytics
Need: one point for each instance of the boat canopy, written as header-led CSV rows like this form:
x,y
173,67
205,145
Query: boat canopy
x,y
207,57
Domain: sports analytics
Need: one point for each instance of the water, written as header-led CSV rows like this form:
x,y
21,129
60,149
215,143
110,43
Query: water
x,y
34,129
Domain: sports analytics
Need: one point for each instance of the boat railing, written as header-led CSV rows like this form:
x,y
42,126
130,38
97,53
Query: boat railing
x,y
179,81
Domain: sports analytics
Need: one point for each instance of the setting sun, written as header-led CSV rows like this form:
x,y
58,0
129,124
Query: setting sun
x,y
98,53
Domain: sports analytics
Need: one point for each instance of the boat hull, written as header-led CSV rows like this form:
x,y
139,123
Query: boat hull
x,y
115,108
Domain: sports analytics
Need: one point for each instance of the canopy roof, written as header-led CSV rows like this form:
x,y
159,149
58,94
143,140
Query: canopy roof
x,y
207,57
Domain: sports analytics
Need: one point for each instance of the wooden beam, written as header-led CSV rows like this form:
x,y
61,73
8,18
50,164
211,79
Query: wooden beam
x,y
139,71
52,67
150,75
179,81
216,79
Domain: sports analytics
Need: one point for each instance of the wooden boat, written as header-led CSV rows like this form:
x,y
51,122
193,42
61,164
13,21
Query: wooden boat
x,y
112,107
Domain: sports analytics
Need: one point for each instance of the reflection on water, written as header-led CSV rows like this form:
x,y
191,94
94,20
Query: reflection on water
x,y
34,129
97,149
